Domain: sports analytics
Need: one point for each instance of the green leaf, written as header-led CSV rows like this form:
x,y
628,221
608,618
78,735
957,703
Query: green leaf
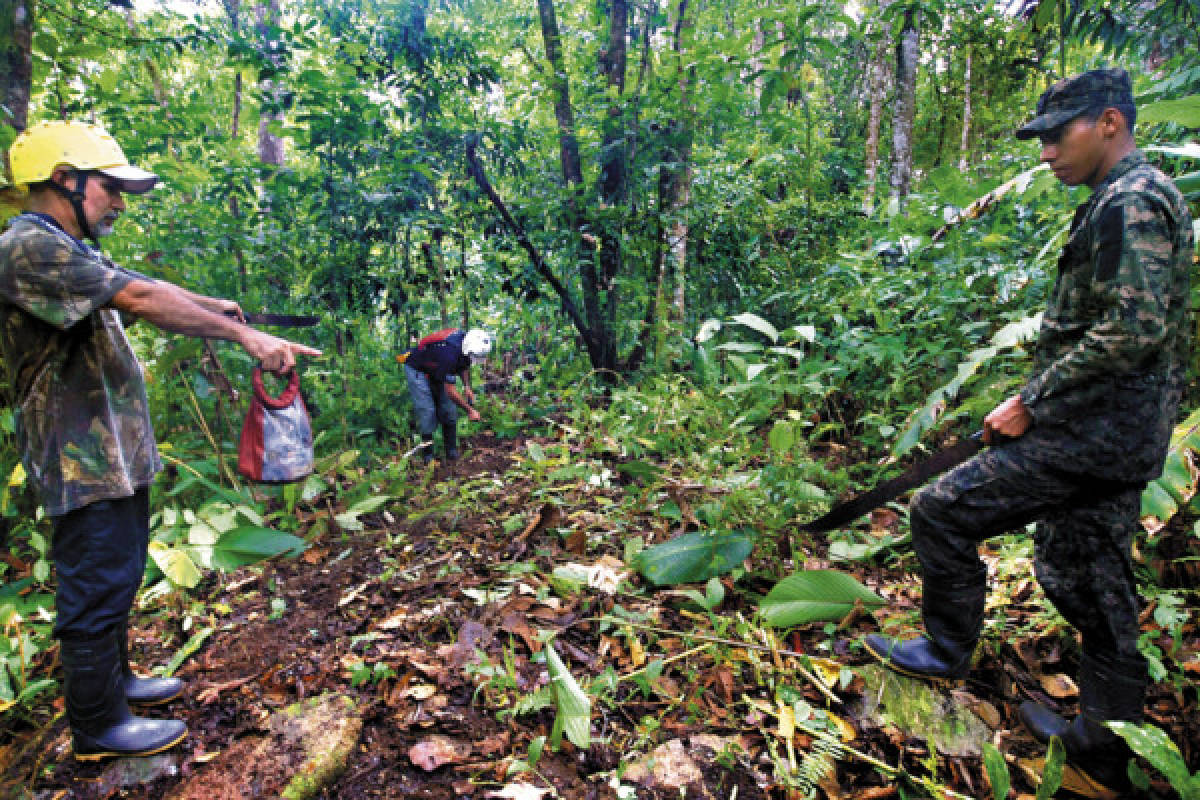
x,y
1156,747
176,564
642,470
814,596
708,330
574,707
1052,769
369,504
997,771
757,323
1157,502
694,557
188,649
1183,111
782,437
249,544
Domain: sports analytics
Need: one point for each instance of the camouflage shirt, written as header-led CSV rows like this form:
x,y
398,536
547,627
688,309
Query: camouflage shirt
x,y
82,418
1111,357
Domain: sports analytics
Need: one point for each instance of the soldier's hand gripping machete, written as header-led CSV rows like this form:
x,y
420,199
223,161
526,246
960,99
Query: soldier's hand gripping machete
x,y
936,464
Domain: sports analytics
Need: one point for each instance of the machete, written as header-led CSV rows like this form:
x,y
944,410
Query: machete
x,y
283,320
939,462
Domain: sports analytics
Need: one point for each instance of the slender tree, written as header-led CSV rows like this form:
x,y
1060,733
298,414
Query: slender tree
x,y
904,110
878,74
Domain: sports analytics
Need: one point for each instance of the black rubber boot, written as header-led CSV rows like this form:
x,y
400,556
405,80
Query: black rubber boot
x,y
142,691
1112,688
427,450
101,723
953,618
450,440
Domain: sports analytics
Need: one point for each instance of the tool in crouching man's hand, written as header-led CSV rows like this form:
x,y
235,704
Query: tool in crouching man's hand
x,y
917,475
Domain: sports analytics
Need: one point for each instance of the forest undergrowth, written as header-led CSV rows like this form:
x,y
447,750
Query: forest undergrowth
x,y
493,623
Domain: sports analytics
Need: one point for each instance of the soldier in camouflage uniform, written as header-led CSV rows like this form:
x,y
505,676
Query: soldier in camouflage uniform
x,y
82,418
1076,446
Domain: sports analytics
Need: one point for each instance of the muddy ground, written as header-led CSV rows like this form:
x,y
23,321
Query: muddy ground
x,y
426,600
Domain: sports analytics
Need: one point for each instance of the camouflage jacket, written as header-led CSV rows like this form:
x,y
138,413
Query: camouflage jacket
x,y
82,418
1111,356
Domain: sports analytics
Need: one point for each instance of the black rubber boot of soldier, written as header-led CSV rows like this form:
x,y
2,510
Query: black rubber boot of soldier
x,y
101,723
427,450
1042,722
450,440
142,691
953,618
1109,689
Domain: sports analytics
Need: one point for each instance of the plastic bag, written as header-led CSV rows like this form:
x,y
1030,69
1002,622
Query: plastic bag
x,y
276,445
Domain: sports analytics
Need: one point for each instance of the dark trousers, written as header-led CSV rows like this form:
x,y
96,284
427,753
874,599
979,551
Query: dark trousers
x,y
431,405
1082,541
99,556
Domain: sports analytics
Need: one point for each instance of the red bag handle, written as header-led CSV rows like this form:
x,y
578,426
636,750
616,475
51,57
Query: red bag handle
x,y
286,397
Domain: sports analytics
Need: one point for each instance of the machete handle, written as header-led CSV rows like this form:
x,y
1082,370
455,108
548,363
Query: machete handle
x,y
997,438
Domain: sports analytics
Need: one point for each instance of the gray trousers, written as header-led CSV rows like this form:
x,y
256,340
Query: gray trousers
x,y
431,404
1082,541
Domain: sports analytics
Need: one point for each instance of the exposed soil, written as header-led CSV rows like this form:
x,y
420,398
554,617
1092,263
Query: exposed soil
x,y
409,598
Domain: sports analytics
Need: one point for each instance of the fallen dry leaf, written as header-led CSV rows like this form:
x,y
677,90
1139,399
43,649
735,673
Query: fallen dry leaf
x,y
1059,686
1072,779
547,517
519,791
431,753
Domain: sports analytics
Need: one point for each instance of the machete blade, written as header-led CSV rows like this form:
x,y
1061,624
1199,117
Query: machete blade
x,y
917,475
283,320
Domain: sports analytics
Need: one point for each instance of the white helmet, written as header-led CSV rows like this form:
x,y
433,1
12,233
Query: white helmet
x,y
477,344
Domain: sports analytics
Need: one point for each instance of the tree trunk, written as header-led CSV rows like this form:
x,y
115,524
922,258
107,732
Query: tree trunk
x,y
16,63
270,146
905,107
613,184
466,281
233,9
572,169
878,74
16,83
965,140
681,196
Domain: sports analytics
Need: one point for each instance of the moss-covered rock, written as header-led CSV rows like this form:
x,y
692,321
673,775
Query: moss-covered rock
x,y
921,710
304,749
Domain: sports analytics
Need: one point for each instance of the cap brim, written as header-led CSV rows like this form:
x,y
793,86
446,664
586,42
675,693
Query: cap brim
x,y
1046,122
133,179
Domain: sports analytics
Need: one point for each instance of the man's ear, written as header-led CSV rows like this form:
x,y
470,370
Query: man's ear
x,y
1113,123
61,175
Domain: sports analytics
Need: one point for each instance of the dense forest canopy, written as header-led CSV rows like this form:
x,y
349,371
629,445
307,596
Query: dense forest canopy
x,y
783,227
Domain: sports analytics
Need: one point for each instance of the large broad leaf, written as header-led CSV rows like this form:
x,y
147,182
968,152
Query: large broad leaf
x,y
694,557
176,564
1178,483
1184,111
757,323
574,707
815,596
1156,747
250,544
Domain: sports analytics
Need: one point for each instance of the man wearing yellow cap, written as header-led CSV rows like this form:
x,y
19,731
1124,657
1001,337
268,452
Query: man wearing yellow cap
x,y
82,418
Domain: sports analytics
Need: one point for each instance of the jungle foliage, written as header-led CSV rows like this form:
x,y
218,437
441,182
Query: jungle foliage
x,y
663,210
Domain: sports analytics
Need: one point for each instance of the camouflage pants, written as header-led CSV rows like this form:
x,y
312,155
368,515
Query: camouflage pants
x,y
1082,540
